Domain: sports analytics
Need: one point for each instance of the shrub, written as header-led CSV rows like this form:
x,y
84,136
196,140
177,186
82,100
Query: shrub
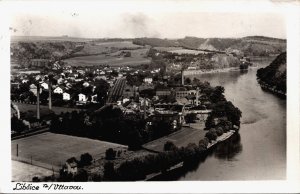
x,y
211,134
204,142
81,176
219,131
85,159
169,146
109,171
110,154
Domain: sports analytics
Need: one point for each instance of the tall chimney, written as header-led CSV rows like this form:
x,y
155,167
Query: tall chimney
x,y
50,98
182,77
145,115
38,101
197,96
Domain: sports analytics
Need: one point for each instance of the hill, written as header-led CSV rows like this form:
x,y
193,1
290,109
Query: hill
x,y
250,45
274,75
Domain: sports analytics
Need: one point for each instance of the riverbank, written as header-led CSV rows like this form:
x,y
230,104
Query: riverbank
x,y
271,89
200,71
177,167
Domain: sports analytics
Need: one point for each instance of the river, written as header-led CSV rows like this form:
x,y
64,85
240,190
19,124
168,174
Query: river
x,y
260,150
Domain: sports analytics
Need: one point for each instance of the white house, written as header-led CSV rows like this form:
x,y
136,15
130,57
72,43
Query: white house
x,y
45,86
148,80
60,80
66,96
82,98
94,98
58,90
86,84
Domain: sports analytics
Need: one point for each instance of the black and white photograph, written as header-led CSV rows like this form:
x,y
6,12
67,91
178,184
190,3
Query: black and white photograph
x,y
152,92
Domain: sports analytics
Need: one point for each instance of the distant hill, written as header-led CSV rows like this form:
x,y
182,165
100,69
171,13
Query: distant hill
x,y
250,45
25,51
275,74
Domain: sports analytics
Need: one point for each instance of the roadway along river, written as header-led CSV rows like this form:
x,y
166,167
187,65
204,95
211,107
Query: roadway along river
x,y
260,153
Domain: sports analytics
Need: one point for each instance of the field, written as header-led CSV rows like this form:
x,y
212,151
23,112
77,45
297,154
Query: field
x,y
50,149
179,50
114,59
25,172
180,138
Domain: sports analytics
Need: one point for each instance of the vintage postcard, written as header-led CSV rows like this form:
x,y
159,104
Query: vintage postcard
x,y
150,96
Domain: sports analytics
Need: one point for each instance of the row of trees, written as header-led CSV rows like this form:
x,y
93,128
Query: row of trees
x,y
110,124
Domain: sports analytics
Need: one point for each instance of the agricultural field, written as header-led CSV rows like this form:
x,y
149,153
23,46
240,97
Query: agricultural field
x,y
106,47
179,50
137,57
50,149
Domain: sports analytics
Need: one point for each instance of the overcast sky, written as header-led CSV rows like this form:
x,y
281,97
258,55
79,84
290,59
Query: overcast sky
x,y
104,20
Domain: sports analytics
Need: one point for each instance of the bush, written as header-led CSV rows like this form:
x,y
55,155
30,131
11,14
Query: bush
x,y
204,142
81,176
219,131
211,134
109,171
85,159
110,154
169,146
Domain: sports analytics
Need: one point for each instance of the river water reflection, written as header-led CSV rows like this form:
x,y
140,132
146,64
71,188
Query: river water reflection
x,y
260,151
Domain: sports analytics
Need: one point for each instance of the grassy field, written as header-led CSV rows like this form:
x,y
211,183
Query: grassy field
x,y
113,59
49,149
180,138
22,172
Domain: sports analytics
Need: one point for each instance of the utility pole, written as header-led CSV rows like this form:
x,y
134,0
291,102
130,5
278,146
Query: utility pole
x,y
38,101
197,96
50,91
145,115
17,150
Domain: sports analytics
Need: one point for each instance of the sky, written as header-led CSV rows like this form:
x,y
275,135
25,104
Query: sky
x,y
160,19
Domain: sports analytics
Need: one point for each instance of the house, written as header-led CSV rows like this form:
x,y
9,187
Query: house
x,y
163,92
101,73
58,90
60,80
66,96
82,98
71,166
148,80
33,89
45,86
94,98
86,84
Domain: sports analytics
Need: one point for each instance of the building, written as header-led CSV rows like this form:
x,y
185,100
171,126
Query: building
x,y
82,98
148,80
66,96
58,90
45,86
94,99
40,63
163,92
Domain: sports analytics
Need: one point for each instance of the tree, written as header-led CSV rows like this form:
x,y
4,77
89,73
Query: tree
x,y
109,171
81,176
85,159
190,117
110,154
169,146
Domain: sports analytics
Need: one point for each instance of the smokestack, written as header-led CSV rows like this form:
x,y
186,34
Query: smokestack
x,y
50,98
145,115
38,101
182,77
197,96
